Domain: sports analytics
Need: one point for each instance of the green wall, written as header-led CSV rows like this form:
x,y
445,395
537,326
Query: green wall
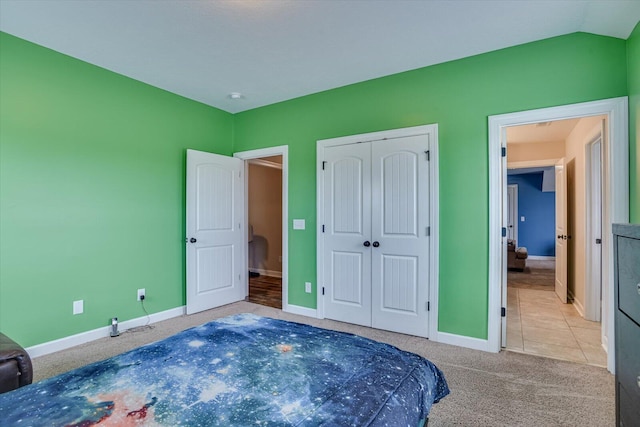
x,y
633,85
458,96
92,171
92,179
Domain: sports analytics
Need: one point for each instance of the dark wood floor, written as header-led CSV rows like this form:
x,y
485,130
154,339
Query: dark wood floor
x,y
265,290
539,275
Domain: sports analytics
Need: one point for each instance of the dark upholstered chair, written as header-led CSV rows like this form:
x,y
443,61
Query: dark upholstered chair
x,y
15,365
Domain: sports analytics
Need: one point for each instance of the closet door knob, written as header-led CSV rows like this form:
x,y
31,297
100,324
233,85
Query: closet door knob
x,y
193,240
367,243
376,244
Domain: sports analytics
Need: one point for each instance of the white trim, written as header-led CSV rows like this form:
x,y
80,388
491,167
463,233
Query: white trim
x,y
541,258
462,341
434,241
302,311
84,337
270,273
434,198
615,199
281,150
376,136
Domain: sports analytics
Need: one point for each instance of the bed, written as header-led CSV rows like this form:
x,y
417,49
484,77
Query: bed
x,y
239,370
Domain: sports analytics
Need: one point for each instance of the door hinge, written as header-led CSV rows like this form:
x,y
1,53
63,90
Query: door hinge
x,y
428,306
503,152
428,231
428,155
323,290
323,163
323,228
503,312
504,231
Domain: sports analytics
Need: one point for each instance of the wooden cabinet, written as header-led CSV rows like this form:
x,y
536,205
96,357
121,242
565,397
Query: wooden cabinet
x,y
627,322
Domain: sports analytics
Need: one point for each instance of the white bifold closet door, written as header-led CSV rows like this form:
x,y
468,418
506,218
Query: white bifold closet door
x,y
376,214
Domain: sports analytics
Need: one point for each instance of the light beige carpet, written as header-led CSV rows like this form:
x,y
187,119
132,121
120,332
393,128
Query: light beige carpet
x,y
487,389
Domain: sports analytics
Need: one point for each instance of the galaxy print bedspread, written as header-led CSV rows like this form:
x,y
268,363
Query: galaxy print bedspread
x,y
242,370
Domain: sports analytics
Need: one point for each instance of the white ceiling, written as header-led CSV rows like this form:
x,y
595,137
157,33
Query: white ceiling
x,y
274,50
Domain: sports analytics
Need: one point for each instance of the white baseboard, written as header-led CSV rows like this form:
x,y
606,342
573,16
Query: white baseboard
x,y
83,337
270,273
541,258
303,311
462,341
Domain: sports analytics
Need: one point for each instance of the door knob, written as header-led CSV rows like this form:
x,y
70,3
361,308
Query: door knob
x,y
367,243
376,244
193,240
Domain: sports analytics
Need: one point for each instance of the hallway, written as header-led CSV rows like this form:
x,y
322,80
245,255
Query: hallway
x,y
538,323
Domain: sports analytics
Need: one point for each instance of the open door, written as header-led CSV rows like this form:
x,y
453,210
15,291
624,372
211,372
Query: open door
x,y
215,238
561,231
504,235
593,249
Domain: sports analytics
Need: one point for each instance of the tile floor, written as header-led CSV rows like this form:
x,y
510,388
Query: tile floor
x,y
538,323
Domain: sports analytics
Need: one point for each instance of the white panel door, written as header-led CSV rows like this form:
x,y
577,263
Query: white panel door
x,y
375,210
561,231
347,246
400,235
215,214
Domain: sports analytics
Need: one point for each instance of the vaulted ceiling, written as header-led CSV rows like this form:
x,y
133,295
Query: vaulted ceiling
x,y
268,51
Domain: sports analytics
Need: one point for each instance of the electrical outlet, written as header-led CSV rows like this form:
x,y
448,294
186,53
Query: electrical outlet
x,y
141,293
307,287
78,307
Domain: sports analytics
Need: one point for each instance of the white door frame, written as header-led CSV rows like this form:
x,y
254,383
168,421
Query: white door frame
x,y
431,130
593,225
281,150
513,189
615,199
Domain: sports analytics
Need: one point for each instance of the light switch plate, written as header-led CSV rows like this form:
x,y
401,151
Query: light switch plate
x,y
78,307
298,224
307,287
522,219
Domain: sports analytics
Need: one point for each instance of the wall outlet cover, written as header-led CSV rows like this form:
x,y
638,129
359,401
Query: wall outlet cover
x,y
141,292
307,287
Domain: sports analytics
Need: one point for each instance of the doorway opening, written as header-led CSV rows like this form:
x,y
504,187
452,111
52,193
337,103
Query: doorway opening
x,y
266,213
264,206
547,286
615,205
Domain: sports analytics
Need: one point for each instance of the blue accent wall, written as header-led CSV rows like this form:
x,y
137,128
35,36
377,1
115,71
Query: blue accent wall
x,y
537,232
